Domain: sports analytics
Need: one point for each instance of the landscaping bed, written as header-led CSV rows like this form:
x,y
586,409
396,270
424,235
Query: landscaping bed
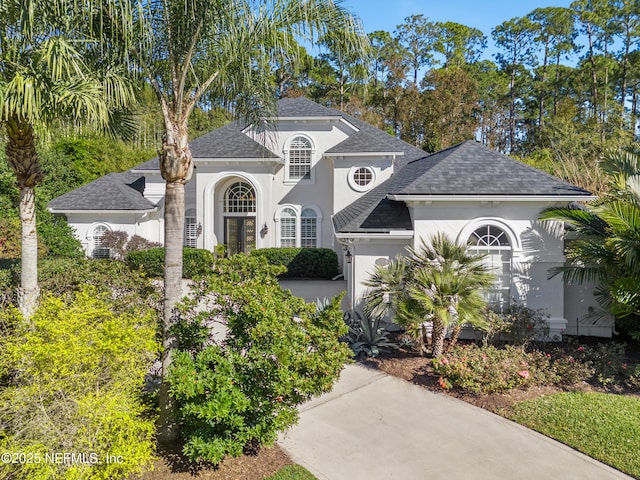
x,y
407,364
172,465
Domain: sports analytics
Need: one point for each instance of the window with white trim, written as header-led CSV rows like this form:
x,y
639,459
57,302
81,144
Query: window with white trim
x,y
493,242
288,227
190,228
298,227
361,179
99,250
299,159
308,228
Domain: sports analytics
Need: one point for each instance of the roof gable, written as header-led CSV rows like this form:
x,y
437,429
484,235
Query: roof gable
x,y
115,191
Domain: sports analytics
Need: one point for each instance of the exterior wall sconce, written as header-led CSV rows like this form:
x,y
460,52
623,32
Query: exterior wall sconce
x,y
199,229
264,230
348,256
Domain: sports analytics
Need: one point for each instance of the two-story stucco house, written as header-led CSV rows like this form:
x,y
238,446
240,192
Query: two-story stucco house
x,y
322,178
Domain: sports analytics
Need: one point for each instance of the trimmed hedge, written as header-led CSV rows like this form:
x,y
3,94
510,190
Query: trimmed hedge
x,y
302,262
195,261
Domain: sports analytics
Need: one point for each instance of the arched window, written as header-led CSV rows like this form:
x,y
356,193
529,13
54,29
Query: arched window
x,y
299,159
493,242
190,228
308,228
240,198
288,228
98,250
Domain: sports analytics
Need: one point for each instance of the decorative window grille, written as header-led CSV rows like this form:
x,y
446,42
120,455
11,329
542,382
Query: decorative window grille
x,y
300,159
240,198
99,250
363,176
308,228
288,227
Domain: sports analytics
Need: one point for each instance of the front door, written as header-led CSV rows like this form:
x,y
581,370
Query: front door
x,y
239,234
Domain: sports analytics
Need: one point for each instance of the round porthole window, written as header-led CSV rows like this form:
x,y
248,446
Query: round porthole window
x,y
361,179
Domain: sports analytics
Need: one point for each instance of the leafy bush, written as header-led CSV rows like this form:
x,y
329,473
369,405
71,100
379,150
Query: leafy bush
x,y
366,337
57,237
302,262
120,244
520,325
240,388
195,261
488,370
72,383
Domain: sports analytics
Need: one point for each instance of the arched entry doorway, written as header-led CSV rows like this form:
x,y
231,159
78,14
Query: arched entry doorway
x,y
239,214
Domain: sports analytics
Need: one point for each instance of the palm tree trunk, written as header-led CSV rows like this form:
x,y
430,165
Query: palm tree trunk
x,y
22,156
437,338
176,166
455,333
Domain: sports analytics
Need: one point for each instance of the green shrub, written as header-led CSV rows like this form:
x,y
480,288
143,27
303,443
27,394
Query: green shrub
x,y
489,370
302,262
128,290
72,383
241,390
195,261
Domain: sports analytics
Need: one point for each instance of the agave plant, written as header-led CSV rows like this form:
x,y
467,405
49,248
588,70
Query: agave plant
x,y
366,337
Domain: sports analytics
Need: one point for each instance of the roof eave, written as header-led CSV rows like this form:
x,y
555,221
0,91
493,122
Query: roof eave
x,y
409,198
75,210
390,235
363,154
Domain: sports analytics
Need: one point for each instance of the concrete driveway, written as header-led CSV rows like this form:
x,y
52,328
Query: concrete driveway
x,y
376,427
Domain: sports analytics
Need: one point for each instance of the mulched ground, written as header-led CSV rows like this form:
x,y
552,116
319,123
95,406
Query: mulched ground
x,y
171,465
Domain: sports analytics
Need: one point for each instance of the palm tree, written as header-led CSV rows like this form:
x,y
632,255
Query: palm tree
x,y
440,282
210,52
606,248
46,74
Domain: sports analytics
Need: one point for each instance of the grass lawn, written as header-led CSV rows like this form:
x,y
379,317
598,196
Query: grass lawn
x,y
604,426
292,472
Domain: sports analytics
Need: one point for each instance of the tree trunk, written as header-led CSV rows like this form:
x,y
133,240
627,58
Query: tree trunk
x,y
455,333
176,167
22,156
437,338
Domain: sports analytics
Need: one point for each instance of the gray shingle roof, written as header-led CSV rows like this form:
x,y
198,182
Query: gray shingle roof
x,y
228,142
115,191
303,107
363,142
468,168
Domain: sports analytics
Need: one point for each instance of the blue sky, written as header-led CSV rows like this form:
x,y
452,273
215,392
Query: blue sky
x,y
481,14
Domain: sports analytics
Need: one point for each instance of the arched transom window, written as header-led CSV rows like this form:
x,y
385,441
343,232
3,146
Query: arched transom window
x,y
493,242
240,198
300,151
